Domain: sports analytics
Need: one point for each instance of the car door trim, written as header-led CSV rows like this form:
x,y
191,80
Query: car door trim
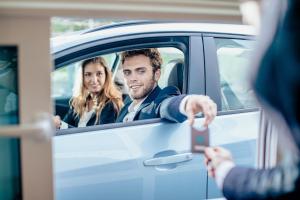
x,y
231,112
107,126
213,89
110,41
229,36
196,74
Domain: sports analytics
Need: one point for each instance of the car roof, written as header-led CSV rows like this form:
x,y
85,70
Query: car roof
x,y
145,27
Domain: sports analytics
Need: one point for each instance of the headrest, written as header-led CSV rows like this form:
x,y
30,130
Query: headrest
x,y
175,77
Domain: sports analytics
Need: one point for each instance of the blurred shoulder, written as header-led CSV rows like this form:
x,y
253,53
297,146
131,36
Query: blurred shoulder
x,y
170,90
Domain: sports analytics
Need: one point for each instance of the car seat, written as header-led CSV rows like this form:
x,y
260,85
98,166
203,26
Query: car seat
x,y
175,75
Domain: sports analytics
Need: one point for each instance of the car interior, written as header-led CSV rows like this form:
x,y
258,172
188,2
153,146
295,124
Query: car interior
x,y
172,74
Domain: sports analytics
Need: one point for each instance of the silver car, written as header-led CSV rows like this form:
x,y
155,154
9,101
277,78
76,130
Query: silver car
x,y
152,159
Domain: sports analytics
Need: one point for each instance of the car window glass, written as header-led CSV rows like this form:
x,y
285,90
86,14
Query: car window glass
x,y
10,174
233,59
172,67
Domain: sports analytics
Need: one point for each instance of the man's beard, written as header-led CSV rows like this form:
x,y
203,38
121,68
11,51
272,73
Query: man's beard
x,y
145,92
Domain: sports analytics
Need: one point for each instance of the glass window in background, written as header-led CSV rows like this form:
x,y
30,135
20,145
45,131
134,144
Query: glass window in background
x,y
233,58
10,175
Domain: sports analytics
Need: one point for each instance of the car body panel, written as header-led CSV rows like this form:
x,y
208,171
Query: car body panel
x,y
90,164
112,160
238,133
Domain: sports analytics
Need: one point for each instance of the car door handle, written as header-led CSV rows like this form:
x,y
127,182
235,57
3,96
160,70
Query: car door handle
x,y
169,159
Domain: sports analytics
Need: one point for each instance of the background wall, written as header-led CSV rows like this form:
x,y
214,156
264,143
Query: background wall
x,y
223,11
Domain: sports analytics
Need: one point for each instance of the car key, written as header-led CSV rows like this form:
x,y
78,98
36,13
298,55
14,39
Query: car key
x,y
200,139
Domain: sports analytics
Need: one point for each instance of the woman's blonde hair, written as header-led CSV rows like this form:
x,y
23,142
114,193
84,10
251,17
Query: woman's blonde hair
x,y
109,92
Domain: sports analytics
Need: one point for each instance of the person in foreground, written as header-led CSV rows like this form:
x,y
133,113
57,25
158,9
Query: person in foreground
x,y
96,100
280,66
141,69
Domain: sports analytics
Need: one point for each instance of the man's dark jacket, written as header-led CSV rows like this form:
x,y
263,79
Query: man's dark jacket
x,y
160,103
278,84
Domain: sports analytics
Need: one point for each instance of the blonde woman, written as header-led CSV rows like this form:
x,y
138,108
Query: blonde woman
x,y
97,101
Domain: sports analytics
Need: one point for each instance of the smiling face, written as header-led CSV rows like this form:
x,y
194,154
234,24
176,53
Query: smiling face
x,y
139,76
94,77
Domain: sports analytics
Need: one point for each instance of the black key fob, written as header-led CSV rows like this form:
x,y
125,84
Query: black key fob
x,y
200,139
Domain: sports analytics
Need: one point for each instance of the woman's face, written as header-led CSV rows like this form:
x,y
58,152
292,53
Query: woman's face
x,y
94,77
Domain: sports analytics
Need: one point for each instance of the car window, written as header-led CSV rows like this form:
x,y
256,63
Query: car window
x,y
62,79
172,67
233,59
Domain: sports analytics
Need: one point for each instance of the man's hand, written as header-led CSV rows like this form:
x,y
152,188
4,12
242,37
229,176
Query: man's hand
x,y
214,157
200,103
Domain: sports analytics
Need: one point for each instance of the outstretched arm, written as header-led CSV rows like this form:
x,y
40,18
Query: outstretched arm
x,y
182,107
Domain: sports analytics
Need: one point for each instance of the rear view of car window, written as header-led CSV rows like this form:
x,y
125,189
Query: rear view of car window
x,y
233,59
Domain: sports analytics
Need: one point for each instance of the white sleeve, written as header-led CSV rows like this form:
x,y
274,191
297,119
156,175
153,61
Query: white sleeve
x,y
182,105
183,102
64,125
222,171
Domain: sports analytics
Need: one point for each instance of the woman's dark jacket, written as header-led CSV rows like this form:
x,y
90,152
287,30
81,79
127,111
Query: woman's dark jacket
x,y
108,115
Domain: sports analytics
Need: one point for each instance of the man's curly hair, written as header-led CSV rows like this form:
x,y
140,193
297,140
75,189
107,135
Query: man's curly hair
x,y
152,53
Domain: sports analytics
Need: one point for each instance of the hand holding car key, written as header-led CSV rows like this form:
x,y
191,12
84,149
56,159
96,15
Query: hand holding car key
x,y
199,105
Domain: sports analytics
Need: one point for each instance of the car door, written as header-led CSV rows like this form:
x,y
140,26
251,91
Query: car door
x,y
228,83
147,159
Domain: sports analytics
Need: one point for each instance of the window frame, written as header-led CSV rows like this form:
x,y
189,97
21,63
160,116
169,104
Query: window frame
x,y
180,41
212,70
